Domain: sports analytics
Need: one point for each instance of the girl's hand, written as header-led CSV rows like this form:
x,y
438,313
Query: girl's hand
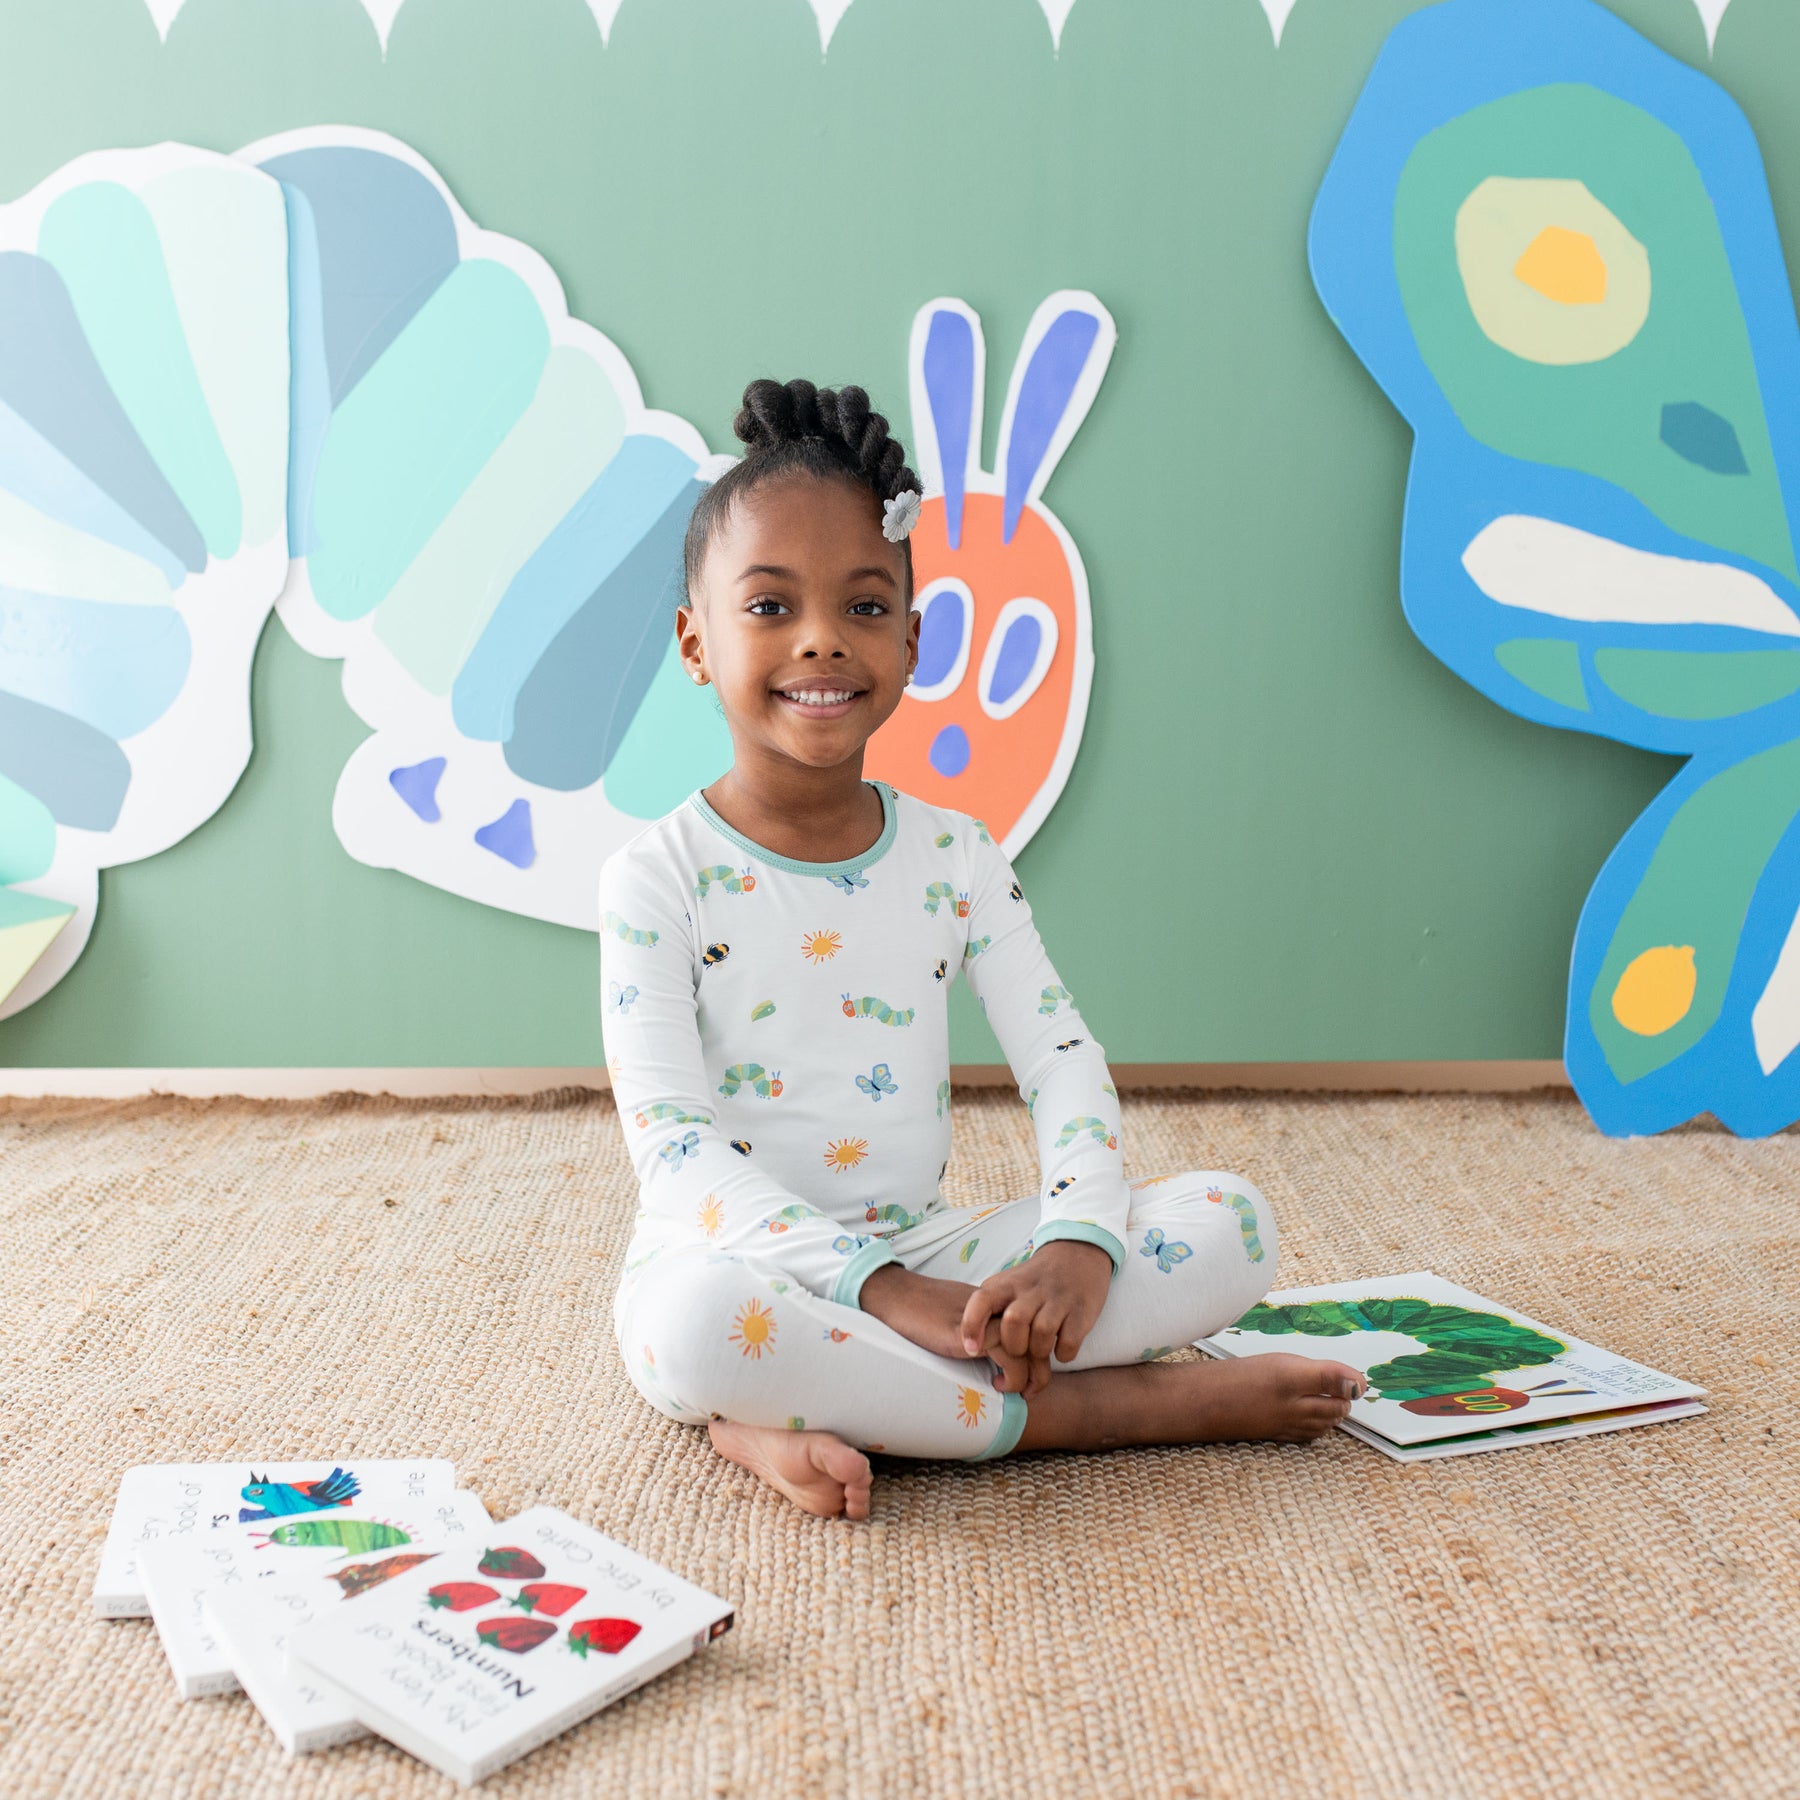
x,y
1049,1302
931,1313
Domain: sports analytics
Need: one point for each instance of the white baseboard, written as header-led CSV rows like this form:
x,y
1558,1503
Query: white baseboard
x,y
309,1084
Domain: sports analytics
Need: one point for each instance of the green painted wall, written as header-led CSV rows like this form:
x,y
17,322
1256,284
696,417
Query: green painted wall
x,y
1290,835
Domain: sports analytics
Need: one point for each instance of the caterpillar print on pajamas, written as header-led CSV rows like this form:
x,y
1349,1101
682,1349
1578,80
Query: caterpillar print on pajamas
x,y
355,1535
848,884
892,1213
943,1097
868,1007
982,832
1097,1129
1246,1213
733,881
625,933
974,947
664,1114
788,1218
941,893
1031,1104
1054,996
1012,1262
677,1150
764,1083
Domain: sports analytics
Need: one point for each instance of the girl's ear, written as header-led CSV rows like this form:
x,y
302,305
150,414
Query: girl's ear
x,y
1067,346
947,365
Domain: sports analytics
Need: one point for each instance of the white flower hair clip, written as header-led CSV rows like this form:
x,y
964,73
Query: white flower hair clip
x,y
900,515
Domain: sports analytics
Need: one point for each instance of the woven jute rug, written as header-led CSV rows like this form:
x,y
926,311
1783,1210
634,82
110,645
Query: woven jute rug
x,y
1621,1616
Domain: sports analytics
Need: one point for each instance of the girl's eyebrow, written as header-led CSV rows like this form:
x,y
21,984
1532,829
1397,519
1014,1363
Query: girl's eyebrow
x,y
873,572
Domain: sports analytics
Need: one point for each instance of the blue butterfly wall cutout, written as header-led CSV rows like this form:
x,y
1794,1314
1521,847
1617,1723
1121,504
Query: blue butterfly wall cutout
x,y
1553,246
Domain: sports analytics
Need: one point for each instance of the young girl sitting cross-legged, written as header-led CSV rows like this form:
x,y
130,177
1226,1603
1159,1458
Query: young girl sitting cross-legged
x,y
777,958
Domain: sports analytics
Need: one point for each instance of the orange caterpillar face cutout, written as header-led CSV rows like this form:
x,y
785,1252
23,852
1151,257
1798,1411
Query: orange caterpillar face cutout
x,y
993,718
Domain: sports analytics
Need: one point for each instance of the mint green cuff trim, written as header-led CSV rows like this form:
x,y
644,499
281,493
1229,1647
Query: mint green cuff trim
x,y
1012,1428
1073,1231
850,865
858,1269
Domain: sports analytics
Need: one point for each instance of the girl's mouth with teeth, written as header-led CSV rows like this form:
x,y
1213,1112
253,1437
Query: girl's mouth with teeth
x,y
820,703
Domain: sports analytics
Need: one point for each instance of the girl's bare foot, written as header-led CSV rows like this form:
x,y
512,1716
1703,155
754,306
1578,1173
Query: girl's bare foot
x,y
820,1473
1281,1398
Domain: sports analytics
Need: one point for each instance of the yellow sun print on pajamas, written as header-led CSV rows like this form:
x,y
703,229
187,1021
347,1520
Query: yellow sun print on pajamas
x,y
755,1330
845,1153
821,946
971,1406
712,1215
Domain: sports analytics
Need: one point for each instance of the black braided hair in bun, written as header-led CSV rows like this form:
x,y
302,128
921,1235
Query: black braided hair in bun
x,y
793,428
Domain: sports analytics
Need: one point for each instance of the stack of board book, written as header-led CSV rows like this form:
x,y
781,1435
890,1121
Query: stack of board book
x,y
346,1597
1450,1373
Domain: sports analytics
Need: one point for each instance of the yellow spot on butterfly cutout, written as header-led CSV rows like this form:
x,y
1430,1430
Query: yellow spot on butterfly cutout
x,y
845,1153
712,1215
820,946
1656,990
1564,266
755,1330
971,1406
1550,272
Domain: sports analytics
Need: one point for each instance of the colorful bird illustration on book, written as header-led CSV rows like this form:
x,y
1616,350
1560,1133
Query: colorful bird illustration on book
x,y
270,1499
1554,248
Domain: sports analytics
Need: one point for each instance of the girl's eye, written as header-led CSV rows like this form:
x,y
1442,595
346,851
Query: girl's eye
x,y
869,609
946,615
1017,658
764,607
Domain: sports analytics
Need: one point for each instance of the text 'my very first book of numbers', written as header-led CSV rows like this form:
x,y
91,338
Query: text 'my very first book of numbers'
x,y
1451,1373
489,1650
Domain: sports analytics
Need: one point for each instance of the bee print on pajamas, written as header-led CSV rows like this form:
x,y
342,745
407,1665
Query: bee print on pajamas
x,y
1052,997
715,954
1017,892
1072,1044
878,1082
620,999
942,969
868,1007
625,934
1097,1129
733,881
741,1146
764,1083
1068,1181
848,884
1240,1204
1165,1253
664,1114
677,1150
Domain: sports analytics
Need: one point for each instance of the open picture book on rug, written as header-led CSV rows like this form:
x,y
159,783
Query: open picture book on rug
x,y
1451,1373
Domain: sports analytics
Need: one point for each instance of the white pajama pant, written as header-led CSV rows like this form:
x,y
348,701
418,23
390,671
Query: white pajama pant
x,y
710,1335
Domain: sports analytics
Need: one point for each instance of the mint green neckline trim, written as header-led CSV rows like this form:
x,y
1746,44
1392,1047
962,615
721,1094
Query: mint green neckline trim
x,y
850,865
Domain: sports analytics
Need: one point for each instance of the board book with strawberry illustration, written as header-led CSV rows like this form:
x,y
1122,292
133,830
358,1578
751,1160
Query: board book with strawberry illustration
x,y
164,1502
484,1653
336,1552
1451,1373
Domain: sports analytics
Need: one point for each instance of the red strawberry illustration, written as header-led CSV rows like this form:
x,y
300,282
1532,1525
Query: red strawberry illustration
x,y
460,1596
550,1597
608,1635
510,1563
516,1635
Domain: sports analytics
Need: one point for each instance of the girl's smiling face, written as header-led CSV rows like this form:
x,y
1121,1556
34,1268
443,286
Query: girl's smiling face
x,y
803,622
